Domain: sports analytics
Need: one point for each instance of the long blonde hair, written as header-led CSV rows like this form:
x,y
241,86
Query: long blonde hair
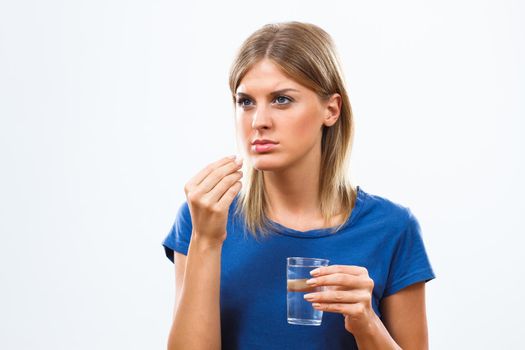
x,y
307,54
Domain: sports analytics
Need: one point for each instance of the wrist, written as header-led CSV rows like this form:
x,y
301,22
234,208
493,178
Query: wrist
x,y
368,329
374,335
205,243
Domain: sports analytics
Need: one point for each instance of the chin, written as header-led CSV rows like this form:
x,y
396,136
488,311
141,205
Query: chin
x,y
266,161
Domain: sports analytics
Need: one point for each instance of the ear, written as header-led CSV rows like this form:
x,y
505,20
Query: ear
x,y
332,110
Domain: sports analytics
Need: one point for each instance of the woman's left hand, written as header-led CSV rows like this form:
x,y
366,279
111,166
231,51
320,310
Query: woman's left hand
x,y
348,292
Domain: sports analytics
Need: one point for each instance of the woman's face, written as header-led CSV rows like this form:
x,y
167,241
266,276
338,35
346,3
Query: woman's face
x,y
271,106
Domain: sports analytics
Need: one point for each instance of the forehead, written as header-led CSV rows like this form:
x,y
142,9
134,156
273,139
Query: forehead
x,y
266,76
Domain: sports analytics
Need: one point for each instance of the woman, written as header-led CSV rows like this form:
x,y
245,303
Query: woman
x,y
295,128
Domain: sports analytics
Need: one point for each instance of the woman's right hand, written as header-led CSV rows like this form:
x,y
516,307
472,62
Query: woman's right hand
x,y
209,195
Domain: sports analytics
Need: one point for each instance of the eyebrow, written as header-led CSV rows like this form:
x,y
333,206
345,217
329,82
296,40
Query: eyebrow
x,y
273,93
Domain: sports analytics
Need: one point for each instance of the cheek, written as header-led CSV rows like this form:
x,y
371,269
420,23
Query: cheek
x,y
306,129
298,127
242,125
244,130
305,126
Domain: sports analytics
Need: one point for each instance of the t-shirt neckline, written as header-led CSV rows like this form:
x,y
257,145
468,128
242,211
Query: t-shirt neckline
x,y
322,232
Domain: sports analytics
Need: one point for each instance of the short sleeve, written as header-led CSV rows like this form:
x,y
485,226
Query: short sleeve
x,y
178,239
410,263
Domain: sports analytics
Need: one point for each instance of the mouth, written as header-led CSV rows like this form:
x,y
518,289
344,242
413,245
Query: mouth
x,y
263,147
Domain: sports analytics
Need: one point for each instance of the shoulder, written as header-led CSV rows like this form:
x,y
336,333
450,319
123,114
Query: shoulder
x,y
385,211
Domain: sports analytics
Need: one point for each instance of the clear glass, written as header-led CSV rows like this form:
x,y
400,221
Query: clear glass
x,y
300,311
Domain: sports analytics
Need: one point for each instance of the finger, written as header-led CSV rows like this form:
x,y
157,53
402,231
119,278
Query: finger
x,y
229,195
217,175
337,296
336,288
201,175
299,285
355,310
222,186
341,279
348,269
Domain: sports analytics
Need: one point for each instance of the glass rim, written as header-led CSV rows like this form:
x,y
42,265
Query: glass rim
x,y
308,259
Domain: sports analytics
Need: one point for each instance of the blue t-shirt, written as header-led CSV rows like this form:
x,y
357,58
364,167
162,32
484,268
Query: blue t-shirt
x,y
380,235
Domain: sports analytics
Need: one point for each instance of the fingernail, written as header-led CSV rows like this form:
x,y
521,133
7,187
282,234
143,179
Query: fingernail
x,y
314,272
238,160
308,296
232,157
311,281
316,305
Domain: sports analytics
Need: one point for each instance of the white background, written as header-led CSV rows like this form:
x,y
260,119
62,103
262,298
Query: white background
x,y
108,107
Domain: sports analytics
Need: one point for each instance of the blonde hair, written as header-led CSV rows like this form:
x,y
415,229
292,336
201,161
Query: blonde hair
x,y
307,54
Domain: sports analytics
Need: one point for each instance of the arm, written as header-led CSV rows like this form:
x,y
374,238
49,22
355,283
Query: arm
x,y
349,292
404,315
196,322
404,324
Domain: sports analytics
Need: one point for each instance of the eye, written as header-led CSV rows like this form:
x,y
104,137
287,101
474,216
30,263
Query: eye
x,y
244,102
279,100
282,100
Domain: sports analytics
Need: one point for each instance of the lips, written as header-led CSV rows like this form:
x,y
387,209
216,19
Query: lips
x,y
260,146
263,141
263,147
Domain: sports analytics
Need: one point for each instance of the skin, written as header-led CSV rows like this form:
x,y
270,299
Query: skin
x,y
295,120
196,320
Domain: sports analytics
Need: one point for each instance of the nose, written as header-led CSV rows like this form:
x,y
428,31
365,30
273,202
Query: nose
x,y
261,119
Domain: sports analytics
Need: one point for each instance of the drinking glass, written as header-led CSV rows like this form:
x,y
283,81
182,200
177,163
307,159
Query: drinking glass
x,y
300,311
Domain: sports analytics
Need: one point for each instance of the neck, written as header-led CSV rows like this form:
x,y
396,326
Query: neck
x,y
295,190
